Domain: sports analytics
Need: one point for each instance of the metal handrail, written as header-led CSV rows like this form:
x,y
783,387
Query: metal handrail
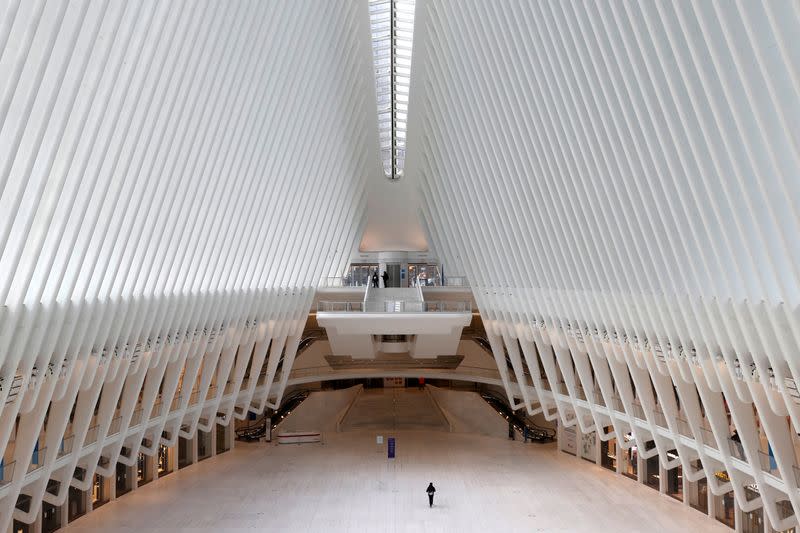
x,y
327,370
395,306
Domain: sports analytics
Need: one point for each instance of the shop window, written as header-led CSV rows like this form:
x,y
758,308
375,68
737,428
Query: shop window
x,y
784,511
630,460
164,461
423,274
77,503
674,478
51,518
725,509
608,452
123,479
652,468
203,445
588,446
222,439
359,274
144,474
752,522
99,491
698,490
184,452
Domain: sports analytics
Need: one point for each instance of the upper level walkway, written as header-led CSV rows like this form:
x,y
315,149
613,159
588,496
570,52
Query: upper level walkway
x,y
363,322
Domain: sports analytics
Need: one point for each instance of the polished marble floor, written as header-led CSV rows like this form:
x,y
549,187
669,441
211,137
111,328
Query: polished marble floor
x,y
348,484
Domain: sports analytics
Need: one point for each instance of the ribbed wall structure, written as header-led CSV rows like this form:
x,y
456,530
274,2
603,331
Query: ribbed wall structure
x,y
621,181
175,178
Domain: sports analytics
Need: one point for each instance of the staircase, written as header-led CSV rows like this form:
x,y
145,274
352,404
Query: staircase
x,y
392,299
382,409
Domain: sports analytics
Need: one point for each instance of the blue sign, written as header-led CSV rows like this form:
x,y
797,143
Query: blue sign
x,y
391,447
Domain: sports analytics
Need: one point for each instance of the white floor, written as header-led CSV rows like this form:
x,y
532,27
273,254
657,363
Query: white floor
x,y
348,484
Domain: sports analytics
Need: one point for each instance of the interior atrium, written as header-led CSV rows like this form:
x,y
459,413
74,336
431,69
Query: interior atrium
x,y
282,265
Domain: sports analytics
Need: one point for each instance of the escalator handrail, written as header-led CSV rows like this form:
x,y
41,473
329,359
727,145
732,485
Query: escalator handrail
x,y
514,418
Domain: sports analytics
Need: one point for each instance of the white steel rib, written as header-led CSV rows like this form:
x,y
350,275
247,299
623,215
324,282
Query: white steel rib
x,y
621,183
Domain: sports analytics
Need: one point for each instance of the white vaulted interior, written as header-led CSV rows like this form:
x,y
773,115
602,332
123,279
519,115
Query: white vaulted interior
x,y
591,208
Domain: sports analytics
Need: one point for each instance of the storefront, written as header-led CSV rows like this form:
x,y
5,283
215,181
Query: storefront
x,y
184,452
76,503
630,460
568,440
51,514
144,472
608,452
784,511
724,506
164,460
753,521
423,274
51,518
359,274
222,439
698,490
589,446
203,445
652,468
123,479
100,492
674,478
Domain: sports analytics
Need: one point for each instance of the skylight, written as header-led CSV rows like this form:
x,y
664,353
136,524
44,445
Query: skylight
x,y
392,24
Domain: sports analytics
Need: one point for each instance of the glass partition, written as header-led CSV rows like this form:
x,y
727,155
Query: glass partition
x,y
359,274
395,306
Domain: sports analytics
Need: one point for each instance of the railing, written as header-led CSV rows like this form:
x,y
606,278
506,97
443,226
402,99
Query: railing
x,y
327,370
66,446
339,307
395,306
7,472
114,427
435,280
37,461
91,435
456,281
176,403
767,463
341,281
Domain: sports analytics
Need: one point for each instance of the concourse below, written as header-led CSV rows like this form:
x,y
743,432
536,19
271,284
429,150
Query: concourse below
x,y
347,483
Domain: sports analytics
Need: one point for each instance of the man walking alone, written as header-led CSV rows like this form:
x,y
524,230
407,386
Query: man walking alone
x,y
430,490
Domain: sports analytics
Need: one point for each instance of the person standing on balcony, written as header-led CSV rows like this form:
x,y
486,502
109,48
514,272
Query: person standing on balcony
x,y
385,277
375,278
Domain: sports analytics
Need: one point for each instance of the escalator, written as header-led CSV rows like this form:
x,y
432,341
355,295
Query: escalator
x,y
484,343
520,422
258,429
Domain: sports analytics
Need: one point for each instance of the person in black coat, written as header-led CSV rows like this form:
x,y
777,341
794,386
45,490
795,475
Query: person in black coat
x,y
385,277
430,490
375,278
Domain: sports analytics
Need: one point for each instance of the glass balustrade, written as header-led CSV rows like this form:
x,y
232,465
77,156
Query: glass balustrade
x,y
395,306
